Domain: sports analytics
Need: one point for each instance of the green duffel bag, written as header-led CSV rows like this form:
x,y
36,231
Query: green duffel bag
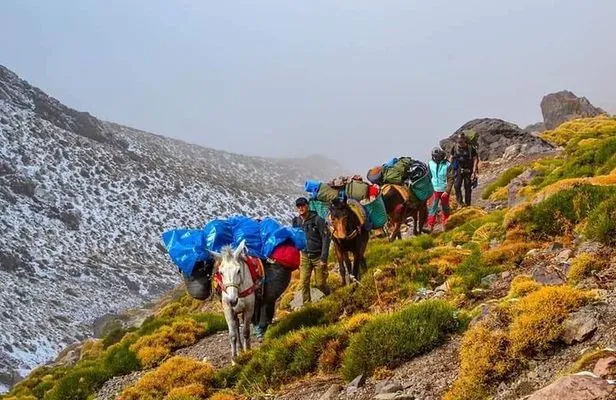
x,y
376,212
422,188
320,207
357,190
396,174
327,193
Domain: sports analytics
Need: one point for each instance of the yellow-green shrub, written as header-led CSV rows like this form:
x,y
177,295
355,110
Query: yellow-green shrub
x,y
92,349
487,231
512,252
483,358
192,391
537,318
153,348
176,372
463,215
582,265
522,285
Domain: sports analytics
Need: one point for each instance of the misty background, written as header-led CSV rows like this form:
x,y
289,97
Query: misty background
x,y
357,81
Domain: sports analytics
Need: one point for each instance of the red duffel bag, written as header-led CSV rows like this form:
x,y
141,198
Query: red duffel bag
x,y
286,255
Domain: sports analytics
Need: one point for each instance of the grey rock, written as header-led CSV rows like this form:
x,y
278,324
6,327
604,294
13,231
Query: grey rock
x,y
563,106
357,383
388,387
489,279
297,303
555,246
575,387
564,255
332,393
537,127
578,327
517,183
442,288
394,396
606,367
548,275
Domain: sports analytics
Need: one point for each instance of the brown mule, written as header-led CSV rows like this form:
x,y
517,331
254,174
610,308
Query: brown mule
x,y
401,205
349,237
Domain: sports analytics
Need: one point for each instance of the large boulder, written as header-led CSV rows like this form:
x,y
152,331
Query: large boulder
x,y
563,106
576,387
496,135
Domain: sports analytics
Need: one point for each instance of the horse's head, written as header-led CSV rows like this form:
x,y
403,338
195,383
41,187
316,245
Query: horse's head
x,y
231,267
340,218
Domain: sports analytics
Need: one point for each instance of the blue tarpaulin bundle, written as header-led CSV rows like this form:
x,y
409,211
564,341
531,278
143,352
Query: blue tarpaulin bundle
x,y
217,234
273,234
188,246
245,228
185,247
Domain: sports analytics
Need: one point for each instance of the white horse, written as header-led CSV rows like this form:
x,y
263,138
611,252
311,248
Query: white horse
x,y
238,294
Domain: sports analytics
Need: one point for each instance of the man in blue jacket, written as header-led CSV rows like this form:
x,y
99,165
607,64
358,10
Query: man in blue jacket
x,y
314,256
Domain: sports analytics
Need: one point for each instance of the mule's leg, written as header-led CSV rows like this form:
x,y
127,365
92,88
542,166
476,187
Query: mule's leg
x,y
232,325
348,266
341,266
395,231
247,316
356,261
423,216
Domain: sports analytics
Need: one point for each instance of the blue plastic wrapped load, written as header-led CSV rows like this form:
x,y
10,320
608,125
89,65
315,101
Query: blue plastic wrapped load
x,y
312,187
246,229
185,248
274,234
217,234
391,162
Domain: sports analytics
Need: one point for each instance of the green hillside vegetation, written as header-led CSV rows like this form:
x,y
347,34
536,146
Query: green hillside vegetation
x,y
385,320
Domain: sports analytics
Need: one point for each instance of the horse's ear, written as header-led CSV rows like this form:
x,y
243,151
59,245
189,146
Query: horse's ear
x,y
215,254
240,249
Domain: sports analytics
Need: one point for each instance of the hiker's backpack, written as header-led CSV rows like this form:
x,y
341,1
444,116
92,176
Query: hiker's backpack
x,y
398,172
375,175
472,137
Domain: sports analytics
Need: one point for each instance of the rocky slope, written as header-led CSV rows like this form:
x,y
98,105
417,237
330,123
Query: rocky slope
x,y
498,138
82,205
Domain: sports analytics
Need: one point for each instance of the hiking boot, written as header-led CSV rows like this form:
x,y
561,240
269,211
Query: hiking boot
x,y
259,333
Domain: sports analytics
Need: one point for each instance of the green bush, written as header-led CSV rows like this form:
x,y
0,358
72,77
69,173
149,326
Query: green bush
x,y
469,273
502,181
120,360
211,322
113,337
314,314
389,340
79,384
566,208
601,224
282,359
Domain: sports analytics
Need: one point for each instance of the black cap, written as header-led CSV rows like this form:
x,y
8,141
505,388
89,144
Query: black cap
x,y
302,201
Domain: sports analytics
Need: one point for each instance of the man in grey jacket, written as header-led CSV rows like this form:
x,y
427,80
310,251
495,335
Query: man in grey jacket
x,y
314,256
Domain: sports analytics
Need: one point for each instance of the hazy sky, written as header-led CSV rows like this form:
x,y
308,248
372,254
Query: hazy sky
x,y
357,80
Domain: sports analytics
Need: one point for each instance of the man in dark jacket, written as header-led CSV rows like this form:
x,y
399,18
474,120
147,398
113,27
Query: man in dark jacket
x,y
465,163
314,256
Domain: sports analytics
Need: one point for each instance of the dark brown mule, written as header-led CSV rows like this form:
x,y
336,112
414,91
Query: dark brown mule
x,y
399,210
349,236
